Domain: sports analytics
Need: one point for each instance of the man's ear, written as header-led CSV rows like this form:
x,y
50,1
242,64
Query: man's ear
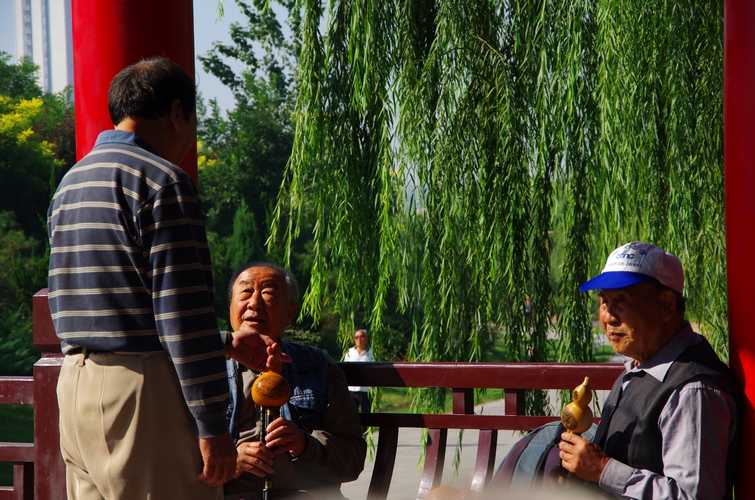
x,y
176,114
668,304
292,309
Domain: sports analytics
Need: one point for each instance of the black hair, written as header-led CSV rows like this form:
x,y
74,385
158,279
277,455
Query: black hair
x,y
147,89
291,284
681,302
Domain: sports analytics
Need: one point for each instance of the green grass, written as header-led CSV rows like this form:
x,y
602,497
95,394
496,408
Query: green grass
x,y
398,400
18,427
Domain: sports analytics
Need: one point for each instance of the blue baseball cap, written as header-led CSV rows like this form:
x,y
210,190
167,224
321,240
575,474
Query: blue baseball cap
x,y
637,262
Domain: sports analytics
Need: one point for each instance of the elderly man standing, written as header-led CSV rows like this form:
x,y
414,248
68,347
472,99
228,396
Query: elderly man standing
x,y
669,425
317,442
143,390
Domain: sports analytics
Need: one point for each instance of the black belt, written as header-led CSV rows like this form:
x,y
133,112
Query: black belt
x,y
85,351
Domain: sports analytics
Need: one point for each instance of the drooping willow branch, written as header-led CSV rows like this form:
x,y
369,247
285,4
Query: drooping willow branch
x,y
467,153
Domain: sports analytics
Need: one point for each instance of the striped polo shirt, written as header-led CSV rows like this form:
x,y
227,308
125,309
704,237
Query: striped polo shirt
x,y
130,268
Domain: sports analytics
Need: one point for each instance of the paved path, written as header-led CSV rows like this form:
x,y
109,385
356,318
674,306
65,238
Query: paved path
x,y
407,474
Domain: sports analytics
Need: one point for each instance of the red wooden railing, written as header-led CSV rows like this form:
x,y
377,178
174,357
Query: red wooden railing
x,y
39,472
463,379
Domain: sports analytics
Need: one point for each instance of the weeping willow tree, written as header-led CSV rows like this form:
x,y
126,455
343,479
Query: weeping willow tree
x,y
467,153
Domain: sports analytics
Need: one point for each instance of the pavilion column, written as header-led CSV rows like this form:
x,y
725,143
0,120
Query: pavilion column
x,y
739,179
108,35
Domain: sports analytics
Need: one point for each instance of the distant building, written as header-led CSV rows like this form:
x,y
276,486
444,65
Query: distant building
x,y
43,34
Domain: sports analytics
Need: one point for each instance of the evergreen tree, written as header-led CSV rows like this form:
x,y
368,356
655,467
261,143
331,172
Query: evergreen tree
x,y
244,244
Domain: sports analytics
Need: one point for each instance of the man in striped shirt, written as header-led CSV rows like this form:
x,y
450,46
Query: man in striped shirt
x,y
143,389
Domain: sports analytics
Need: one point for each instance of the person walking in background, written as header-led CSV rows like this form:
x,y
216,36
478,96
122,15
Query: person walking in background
x,y
361,352
528,310
142,390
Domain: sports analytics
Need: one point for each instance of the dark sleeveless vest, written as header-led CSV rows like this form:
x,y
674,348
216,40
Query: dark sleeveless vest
x,y
630,434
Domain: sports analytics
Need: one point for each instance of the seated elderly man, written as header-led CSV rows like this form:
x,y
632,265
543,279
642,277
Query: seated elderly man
x,y
669,425
317,442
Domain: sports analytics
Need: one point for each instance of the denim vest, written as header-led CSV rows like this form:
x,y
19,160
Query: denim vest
x,y
307,374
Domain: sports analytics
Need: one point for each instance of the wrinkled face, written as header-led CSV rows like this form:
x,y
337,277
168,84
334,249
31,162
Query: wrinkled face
x,y
633,319
259,302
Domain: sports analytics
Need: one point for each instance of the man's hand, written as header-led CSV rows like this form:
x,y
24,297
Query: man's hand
x,y
284,436
256,352
254,458
582,458
219,457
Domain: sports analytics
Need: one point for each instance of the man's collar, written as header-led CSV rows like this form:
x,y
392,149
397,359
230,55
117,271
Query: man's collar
x,y
123,137
659,363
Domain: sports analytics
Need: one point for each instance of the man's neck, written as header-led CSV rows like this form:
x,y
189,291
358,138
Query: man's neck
x,y
156,132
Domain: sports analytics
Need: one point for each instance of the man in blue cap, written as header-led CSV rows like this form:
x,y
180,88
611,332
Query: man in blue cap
x,y
669,425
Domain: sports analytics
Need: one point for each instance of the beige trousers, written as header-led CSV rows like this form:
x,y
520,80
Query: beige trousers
x,y
125,430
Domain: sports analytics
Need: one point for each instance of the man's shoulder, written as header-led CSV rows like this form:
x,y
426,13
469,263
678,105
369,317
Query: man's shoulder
x,y
125,149
700,362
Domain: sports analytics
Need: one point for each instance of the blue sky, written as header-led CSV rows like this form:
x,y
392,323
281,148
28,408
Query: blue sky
x,y
207,29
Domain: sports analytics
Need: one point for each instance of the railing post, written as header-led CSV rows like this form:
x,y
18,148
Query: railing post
x,y
514,402
49,470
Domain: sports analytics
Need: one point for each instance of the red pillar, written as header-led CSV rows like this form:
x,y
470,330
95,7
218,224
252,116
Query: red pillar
x,y
108,36
739,180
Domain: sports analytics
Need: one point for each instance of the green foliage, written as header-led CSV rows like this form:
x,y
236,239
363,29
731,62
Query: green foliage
x,y
27,164
244,156
37,143
18,80
243,152
23,271
467,153
244,244
17,354
36,147
18,427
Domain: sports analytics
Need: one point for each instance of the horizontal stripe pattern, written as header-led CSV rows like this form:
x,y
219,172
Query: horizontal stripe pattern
x,y
130,268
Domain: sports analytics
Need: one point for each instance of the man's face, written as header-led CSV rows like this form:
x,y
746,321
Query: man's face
x,y
259,302
633,320
360,340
